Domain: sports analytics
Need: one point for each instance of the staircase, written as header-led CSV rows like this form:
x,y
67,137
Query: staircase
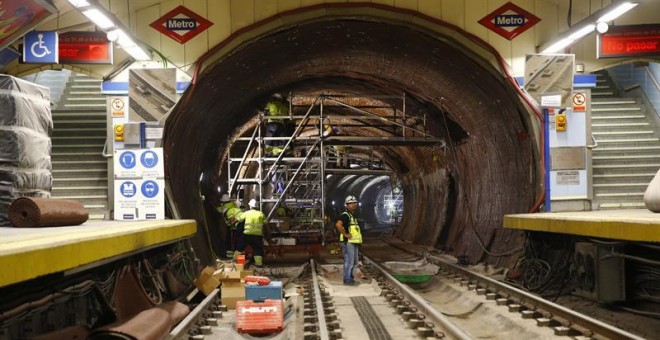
x,y
80,172
628,152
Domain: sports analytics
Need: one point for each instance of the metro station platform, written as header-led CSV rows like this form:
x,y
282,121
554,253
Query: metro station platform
x,y
629,225
27,253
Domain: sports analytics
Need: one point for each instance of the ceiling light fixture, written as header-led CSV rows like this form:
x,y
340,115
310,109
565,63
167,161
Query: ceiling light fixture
x,y
128,44
617,11
99,18
114,30
79,3
586,26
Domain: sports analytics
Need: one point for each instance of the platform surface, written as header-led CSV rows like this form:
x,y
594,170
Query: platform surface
x,y
27,253
631,225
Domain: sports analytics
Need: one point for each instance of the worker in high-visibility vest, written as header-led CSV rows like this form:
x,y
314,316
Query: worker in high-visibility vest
x,y
350,237
230,213
277,127
253,233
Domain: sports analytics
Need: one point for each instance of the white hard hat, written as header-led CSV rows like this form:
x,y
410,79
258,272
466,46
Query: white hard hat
x,y
252,203
277,96
350,199
225,198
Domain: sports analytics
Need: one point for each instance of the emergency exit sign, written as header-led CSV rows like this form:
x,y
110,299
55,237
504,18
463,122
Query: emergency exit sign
x,y
181,24
629,41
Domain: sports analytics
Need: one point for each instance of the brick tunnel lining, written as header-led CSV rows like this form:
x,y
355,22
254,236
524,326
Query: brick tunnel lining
x,y
493,167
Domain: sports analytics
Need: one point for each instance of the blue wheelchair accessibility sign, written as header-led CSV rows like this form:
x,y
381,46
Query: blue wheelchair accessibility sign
x,y
41,47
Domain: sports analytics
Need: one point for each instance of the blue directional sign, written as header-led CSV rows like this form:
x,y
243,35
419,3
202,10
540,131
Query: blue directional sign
x,y
128,189
149,189
149,159
41,47
127,160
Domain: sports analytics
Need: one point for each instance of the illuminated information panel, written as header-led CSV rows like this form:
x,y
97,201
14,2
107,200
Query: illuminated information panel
x,y
629,41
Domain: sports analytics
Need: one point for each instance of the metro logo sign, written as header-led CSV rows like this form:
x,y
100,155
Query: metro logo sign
x,y
181,24
509,21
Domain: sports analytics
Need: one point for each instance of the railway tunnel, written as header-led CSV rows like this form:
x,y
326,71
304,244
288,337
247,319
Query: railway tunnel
x,y
455,194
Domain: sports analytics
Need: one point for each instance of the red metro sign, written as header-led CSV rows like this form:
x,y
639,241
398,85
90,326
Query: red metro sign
x,y
509,21
181,24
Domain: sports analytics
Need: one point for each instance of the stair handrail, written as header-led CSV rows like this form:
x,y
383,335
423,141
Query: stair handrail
x,y
657,87
105,148
655,81
595,144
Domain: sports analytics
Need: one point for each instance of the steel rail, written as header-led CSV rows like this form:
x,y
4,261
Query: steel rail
x,y
593,325
320,313
422,304
179,332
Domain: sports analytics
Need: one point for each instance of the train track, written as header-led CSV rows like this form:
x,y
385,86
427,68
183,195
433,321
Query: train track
x,y
561,320
384,308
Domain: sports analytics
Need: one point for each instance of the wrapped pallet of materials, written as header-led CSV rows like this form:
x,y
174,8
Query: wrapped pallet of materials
x,y
26,125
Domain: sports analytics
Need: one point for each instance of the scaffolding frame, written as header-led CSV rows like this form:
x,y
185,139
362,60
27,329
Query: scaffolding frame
x,y
310,169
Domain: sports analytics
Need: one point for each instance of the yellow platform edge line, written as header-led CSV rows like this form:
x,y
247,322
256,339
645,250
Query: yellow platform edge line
x,y
27,265
617,230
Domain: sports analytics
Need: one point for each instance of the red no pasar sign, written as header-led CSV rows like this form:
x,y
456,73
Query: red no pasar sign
x,y
84,48
630,40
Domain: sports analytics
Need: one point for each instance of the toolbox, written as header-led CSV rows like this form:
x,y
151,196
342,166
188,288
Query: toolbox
x,y
271,291
259,318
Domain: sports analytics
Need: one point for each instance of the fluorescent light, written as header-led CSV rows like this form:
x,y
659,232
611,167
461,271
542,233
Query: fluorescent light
x,y
582,32
130,46
617,12
587,25
79,3
137,52
563,43
121,38
98,18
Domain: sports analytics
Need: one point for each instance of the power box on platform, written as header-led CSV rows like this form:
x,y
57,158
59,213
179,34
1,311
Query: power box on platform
x,y
273,291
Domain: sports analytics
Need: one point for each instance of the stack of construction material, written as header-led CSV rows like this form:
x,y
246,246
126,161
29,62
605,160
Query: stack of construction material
x,y
25,129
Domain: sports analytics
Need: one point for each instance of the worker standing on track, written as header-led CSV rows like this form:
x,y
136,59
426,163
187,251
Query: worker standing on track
x,y
230,213
253,234
350,237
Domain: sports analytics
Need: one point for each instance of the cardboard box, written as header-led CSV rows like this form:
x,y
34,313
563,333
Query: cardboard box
x,y
206,282
232,294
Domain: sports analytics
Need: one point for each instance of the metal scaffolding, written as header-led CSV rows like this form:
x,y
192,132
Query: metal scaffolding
x,y
294,179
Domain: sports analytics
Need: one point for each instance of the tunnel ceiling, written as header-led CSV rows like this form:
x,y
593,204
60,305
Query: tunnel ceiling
x,y
453,194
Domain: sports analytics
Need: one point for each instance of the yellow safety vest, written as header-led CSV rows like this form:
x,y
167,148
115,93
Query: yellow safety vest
x,y
229,212
254,222
353,229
